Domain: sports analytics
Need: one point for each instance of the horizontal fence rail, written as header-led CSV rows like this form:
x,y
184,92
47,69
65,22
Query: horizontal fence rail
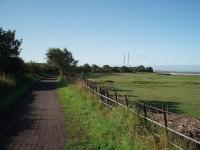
x,y
112,99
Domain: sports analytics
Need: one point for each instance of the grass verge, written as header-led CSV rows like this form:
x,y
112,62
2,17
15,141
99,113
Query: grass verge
x,y
12,90
92,126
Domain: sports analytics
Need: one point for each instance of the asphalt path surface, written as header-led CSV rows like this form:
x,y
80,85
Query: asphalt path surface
x,y
38,123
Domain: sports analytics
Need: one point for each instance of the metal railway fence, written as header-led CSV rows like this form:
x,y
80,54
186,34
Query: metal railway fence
x,y
112,99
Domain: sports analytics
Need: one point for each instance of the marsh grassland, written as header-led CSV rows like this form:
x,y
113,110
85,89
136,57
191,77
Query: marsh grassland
x,y
179,94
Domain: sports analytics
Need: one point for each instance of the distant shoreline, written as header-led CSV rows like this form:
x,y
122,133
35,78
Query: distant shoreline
x,y
179,73
187,74
186,69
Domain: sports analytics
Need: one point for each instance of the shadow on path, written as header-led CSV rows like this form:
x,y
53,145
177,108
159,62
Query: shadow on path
x,y
32,113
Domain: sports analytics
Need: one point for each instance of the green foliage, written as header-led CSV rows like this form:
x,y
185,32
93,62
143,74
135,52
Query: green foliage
x,y
11,91
96,68
106,68
41,69
125,69
115,69
140,68
149,69
92,126
6,83
86,69
63,59
10,62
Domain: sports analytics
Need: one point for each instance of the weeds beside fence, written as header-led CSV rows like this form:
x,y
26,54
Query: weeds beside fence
x,y
158,118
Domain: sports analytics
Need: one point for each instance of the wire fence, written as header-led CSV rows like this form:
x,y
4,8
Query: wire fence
x,y
151,115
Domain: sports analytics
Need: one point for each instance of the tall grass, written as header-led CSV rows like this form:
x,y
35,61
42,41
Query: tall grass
x,y
90,125
6,83
8,80
12,89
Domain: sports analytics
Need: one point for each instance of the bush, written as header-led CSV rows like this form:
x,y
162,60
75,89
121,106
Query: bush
x,y
6,83
41,69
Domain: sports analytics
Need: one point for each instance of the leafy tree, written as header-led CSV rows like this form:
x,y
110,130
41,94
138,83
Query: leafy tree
x,y
141,68
33,68
10,62
106,68
49,70
125,69
40,68
133,69
149,69
63,59
80,69
115,69
95,68
87,68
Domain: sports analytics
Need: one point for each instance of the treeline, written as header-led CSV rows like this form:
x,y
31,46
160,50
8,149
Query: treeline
x,y
11,64
16,76
58,61
42,69
86,68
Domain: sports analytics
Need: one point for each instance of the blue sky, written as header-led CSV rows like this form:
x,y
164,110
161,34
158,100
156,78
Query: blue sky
x,y
154,32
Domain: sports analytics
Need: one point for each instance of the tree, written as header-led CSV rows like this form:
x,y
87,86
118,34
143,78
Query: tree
x,y
10,62
106,68
63,59
149,69
125,69
95,68
40,68
133,69
141,68
33,68
115,69
87,68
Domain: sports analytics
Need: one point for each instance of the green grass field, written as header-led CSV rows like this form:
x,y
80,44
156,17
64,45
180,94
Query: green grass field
x,y
181,94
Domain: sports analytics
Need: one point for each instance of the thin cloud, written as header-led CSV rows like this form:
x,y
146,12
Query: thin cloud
x,y
143,56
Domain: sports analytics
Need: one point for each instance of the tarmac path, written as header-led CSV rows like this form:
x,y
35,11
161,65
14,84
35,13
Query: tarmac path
x,y
38,124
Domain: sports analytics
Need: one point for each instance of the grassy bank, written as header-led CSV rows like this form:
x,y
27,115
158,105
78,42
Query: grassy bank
x,y
90,125
179,93
11,91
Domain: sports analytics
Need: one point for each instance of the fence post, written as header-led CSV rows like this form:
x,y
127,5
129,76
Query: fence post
x,y
100,91
92,88
145,114
165,119
166,125
96,88
103,93
126,100
107,95
116,95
